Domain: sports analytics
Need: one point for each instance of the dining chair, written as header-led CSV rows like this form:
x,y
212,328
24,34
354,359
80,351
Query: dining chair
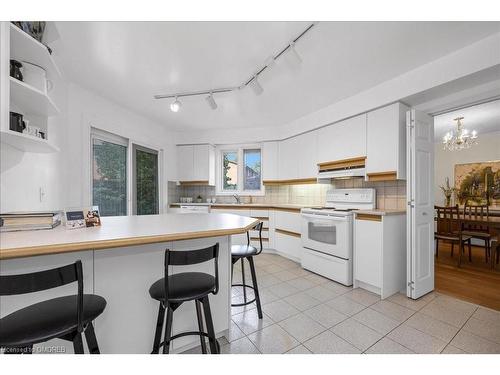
x,y
475,225
448,229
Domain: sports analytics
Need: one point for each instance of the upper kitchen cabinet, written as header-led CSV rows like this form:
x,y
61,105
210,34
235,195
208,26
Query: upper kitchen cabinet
x,y
307,153
270,152
342,140
288,160
196,164
386,143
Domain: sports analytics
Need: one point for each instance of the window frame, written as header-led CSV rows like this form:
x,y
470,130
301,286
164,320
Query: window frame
x,y
239,149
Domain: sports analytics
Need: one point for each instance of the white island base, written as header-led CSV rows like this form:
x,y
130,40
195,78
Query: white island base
x,y
123,276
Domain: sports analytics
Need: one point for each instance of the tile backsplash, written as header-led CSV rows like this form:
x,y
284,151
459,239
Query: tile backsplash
x,y
390,194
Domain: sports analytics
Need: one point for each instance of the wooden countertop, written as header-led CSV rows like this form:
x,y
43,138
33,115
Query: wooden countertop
x,y
121,231
243,206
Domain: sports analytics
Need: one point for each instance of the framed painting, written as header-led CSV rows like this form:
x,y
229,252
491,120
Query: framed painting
x,y
478,183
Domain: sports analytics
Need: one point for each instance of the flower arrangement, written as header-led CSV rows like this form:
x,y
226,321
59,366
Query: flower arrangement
x,y
448,191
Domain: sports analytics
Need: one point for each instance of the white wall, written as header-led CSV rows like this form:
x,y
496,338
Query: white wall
x,y
65,175
444,161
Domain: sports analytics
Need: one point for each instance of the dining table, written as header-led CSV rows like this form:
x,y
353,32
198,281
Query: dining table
x,y
492,222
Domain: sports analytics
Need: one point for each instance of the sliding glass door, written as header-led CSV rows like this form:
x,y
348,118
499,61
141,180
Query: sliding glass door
x,y
145,181
109,174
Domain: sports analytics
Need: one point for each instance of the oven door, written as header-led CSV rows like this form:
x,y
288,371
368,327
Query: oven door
x,y
328,234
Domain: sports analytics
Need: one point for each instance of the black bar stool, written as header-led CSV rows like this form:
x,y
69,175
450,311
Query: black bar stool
x,y
173,290
242,252
63,317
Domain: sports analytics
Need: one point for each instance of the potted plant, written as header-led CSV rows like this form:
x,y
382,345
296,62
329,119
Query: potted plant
x,y
199,199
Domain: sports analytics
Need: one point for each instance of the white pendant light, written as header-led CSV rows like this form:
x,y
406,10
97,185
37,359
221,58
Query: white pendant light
x,y
211,101
256,87
175,105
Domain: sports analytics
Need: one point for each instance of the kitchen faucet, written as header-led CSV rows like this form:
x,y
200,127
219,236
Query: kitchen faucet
x,y
237,197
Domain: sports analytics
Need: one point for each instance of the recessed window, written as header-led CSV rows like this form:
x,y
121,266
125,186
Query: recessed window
x,y
240,171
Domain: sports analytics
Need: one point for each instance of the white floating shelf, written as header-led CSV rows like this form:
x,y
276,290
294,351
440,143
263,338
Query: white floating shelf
x,y
24,47
27,143
31,100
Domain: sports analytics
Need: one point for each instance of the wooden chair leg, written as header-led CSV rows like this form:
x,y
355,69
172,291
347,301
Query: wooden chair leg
x,y
214,348
486,249
91,339
168,331
200,326
158,331
437,247
470,250
452,248
78,343
255,287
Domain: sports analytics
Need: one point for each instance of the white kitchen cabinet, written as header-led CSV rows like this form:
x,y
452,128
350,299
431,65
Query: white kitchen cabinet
x,y
342,140
288,159
380,253
289,220
386,143
288,244
308,155
196,164
270,152
185,160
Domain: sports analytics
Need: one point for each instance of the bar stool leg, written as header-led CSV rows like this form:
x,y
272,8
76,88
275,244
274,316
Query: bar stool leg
x,y
210,326
168,331
159,326
255,287
91,339
78,343
243,279
200,326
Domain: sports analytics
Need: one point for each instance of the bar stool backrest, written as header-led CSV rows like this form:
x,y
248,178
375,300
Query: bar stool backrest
x,y
476,212
190,257
446,220
257,227
43,280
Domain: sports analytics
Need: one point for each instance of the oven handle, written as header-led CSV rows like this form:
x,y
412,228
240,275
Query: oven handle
x,y
325,217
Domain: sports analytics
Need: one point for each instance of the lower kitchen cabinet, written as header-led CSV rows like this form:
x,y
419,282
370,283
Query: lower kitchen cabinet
x,y
380,253
288,244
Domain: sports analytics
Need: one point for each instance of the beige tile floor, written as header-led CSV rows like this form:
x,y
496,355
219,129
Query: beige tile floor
x,y
306,313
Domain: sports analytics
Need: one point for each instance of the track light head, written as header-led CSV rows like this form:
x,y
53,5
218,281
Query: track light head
x,y
294,53
256,87
175,105
211,101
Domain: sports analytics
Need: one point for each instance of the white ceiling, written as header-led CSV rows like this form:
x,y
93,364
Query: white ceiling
x,y
129,62
484,118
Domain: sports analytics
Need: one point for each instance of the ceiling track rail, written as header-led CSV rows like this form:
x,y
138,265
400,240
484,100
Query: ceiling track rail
x,y
254,76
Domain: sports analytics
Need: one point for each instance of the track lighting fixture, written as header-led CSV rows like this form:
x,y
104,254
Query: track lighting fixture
x,y
253,81
211,101
175,105
294,53
256,86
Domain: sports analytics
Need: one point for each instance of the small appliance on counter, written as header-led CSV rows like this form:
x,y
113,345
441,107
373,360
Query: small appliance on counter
x,y
16,70
16,122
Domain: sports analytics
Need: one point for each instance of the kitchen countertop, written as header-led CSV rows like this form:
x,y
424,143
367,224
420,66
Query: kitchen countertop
x,y
246,205
120,231
381,212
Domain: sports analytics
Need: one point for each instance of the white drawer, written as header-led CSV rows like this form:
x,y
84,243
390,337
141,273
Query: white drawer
x,y
287,245
259,213
286,220
255,233
333,268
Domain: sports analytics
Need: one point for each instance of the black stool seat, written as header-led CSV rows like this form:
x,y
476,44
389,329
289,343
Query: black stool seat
x,y
48,319
183,287
243,251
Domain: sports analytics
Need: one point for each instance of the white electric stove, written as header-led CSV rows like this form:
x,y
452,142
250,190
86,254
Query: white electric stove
x,y
327,233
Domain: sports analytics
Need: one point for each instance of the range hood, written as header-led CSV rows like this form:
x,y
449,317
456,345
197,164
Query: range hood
x,y
341,169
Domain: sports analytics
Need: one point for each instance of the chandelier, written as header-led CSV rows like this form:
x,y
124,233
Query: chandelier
x,y
461,139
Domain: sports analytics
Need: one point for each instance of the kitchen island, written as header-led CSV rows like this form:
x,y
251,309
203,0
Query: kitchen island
x,y
121,259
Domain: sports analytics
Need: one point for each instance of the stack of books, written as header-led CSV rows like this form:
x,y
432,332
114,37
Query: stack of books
x,y
16,221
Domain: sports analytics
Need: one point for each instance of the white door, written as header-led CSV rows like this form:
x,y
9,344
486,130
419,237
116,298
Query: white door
x,y
420,218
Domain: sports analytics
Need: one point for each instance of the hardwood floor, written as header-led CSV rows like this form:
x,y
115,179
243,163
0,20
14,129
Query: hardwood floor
x,y
474,281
